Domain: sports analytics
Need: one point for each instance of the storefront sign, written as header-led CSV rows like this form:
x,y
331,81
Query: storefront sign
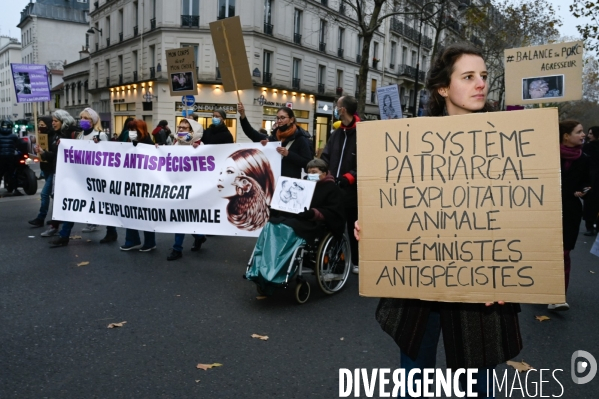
x,y
324,107
263,101
208,108
170,189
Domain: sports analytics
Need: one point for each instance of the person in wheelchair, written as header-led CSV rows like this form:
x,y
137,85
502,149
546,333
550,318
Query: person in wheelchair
x,y
326,211
313,240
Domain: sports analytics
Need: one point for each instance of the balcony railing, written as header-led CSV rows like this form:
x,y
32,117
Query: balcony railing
x,y
268,29
135,30
391,66
295,83
410,71
321,88
107,42
190,21
358,58
322,47
476,41
375,63
135,76
340,52
410,33
121,79
297,38
267,78
153,24
339,91
152,72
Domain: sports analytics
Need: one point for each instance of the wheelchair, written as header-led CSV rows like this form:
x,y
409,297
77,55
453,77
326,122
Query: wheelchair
x,y
328,258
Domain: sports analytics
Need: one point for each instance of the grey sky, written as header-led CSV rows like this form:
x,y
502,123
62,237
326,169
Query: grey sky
x,y
10,13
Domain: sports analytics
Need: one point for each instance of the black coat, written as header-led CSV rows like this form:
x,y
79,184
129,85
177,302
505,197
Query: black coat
x,y
576,178
340,155
300,152
8,143
48,164
217,134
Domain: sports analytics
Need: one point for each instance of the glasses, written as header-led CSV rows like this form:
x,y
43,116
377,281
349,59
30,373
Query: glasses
x,y
282,118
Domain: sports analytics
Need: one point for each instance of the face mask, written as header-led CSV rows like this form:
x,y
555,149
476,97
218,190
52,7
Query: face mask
x,y
215,121
43,129
133,135
336,113
313,176
283,128
85,124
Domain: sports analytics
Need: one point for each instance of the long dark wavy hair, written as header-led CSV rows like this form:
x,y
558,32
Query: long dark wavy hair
x,y
440,72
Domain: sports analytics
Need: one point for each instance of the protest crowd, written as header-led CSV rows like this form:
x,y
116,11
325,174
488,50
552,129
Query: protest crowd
x,y
415,325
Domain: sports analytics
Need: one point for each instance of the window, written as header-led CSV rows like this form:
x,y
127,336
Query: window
x,y
404,55
339,78
107,30
268,11
136,12
373,91
322,76
107,72
323,35
190,7
120,68
341,37
423,63
295,83
375,51
226,9
153,9
414,59
297,27
81,1
267,75
393,55
134,64
152,56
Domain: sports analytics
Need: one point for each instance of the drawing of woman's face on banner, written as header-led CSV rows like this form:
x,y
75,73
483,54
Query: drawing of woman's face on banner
x,y
247,181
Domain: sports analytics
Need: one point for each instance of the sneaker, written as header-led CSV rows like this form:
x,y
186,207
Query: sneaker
x,y
59,242
147,249
130,247
109,238
355,269
52,231
89,228
36,222
175,255
197,244
558,306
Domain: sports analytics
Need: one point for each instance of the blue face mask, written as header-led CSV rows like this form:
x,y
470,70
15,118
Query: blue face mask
x,y
215,121
336,113
85,124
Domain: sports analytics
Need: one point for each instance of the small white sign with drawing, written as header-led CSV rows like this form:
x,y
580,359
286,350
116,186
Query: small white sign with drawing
x,y
292,195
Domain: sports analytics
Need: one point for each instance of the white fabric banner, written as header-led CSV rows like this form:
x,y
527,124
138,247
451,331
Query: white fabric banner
x,y
212,189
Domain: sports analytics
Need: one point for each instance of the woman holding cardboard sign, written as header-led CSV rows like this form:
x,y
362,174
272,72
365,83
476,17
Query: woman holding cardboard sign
x,y
475,335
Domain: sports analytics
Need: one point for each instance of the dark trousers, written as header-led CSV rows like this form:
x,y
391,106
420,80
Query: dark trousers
x,y
567,266
591,211
7,171
351,214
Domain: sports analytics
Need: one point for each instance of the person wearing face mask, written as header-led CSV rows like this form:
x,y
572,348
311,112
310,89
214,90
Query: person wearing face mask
x,y
295,147
47,166
340,154
92,130
138,133
218,132
189,133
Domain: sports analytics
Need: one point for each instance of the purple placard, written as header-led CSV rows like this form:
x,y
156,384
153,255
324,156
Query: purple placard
x,y
31,83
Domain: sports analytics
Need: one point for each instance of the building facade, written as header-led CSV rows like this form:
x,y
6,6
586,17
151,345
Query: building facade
x,y
52,33
10,52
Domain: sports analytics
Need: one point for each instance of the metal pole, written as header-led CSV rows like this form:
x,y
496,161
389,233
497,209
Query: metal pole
x,y
418,66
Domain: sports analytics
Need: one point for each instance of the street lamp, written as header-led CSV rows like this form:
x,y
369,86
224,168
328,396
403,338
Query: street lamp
x,y
91,30
422,20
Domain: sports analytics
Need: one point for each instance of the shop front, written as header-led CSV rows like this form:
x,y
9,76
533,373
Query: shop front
x,y
323,124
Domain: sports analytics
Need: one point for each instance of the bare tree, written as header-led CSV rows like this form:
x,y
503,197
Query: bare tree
x,y
590,31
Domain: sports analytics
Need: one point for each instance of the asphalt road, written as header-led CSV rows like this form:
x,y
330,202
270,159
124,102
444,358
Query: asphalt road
x,y
54,340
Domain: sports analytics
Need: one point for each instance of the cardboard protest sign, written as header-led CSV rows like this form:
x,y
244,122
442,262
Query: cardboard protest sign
x,y
42,141
462,208
230,53
389,102
543,74
293,195
212,189
181,69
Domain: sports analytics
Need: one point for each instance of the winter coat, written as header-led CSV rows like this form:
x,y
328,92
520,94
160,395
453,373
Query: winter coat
x,y
217,134
160,135
8,142
299,150
576,178
91,134
474,335
340,155
48,164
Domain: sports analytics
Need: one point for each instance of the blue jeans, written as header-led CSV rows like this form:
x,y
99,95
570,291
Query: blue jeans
x,y
132,238
65,232
178,245
427,358
45,194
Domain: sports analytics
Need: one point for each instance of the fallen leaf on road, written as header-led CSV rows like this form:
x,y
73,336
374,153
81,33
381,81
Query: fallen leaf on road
x,y
261,297
520,366
88,240
262,337
342,338
542,318
207,366
197,380
82,263
31,236
75,237
115,325
592,271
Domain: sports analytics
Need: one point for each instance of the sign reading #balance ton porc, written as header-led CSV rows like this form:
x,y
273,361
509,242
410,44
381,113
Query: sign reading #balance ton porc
x,y
461,208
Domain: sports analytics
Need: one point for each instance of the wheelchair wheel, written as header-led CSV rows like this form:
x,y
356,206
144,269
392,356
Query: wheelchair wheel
x,y
302,292
333,263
